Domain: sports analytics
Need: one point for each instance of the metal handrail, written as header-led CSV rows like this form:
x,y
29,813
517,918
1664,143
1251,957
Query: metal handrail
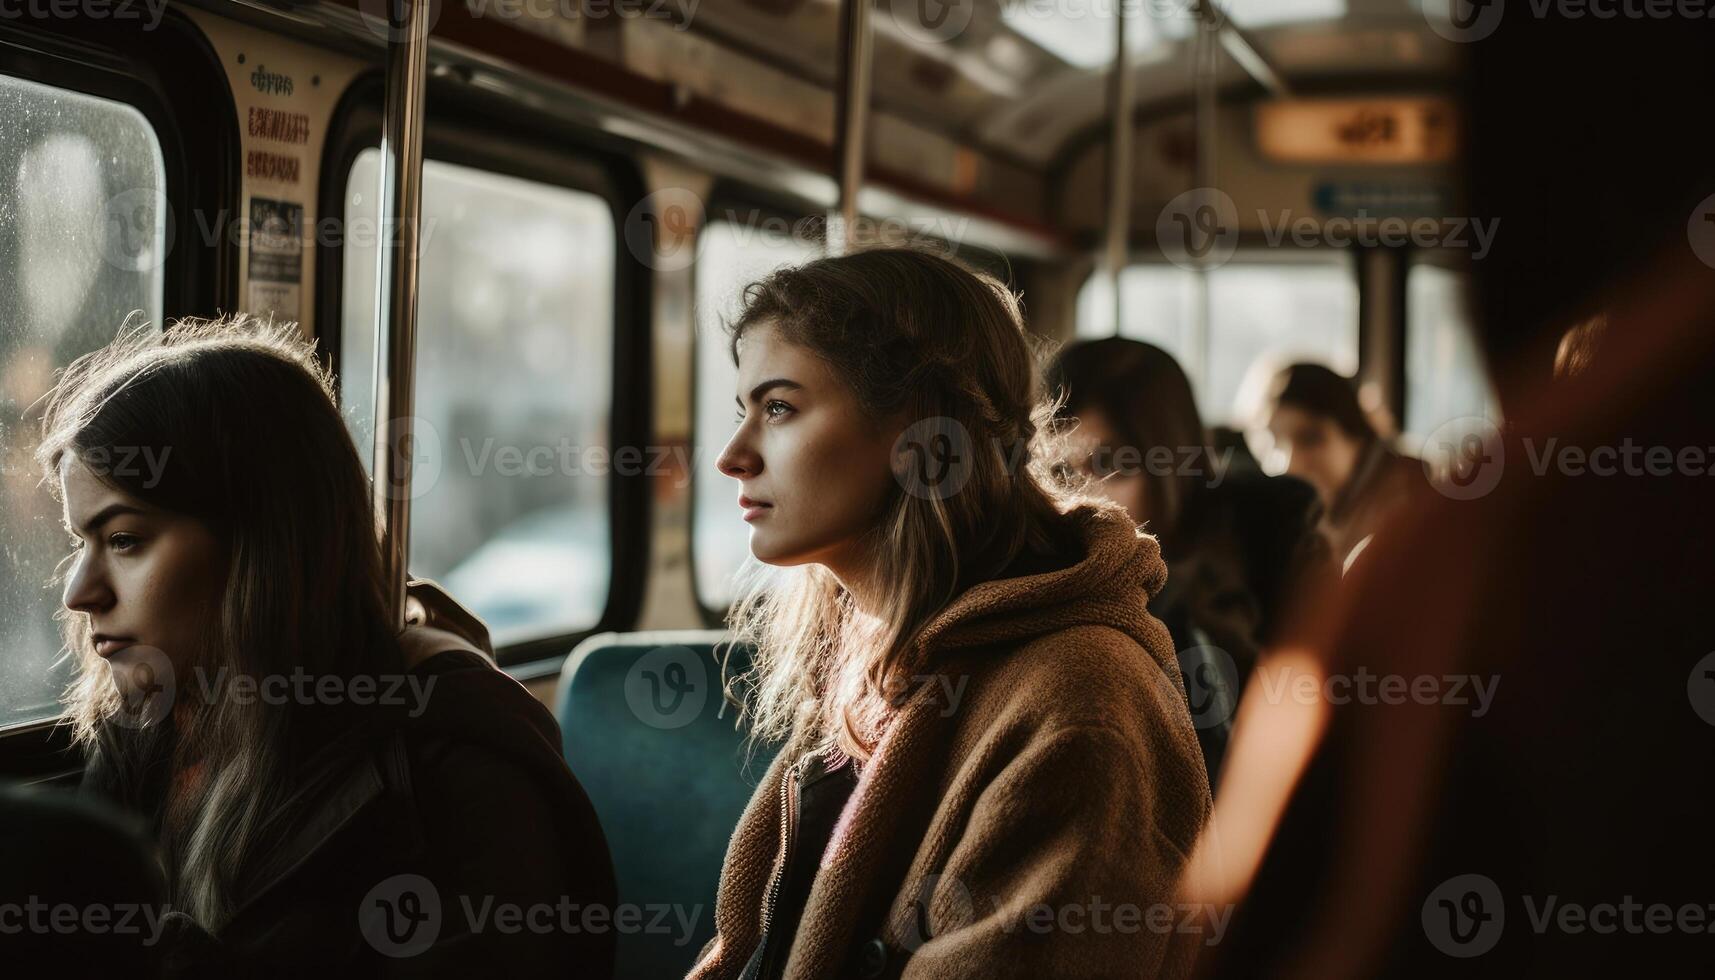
x,y
401,205
1121,99
851,116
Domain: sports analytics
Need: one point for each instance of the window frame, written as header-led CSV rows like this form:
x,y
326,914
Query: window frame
x,y
503,139
173,77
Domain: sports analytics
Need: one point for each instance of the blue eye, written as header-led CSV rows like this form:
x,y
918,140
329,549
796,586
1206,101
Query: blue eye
x,y
773,408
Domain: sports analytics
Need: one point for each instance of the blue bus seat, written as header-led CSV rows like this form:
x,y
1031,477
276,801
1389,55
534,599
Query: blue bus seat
x,y
656,745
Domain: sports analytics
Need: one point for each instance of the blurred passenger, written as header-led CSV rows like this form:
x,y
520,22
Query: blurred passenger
x,y
330,799
1540,802
983,721
1329,442
1241,547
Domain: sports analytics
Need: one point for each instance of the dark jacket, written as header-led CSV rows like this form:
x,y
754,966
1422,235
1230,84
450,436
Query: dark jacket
x,y
416,839
1382,482
1246,553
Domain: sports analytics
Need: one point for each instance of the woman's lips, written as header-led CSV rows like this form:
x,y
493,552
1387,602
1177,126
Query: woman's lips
x,y
107,646
752,508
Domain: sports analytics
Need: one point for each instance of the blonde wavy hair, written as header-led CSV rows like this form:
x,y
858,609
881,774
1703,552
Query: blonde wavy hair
x,y
919,336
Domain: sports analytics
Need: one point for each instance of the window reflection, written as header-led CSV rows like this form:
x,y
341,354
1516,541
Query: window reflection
x,y
82,239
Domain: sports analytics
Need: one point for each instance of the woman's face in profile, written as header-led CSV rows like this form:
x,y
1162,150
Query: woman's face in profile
x,y
1315,449
813,470
149,581
1114,470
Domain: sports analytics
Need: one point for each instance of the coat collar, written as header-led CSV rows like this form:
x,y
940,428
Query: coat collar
x,y
326,805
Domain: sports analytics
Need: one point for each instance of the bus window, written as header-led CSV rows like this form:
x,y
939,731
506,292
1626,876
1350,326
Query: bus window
x,y
82,239
730,256
1265,316
1445,383
1260,316
1160,307
515,356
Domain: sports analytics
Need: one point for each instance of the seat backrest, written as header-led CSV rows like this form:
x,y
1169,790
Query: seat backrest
x,y
59,851
656,745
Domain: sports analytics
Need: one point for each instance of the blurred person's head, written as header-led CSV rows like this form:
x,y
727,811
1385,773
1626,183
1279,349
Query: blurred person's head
x,y
1319,427
221,526
1136,428
1596,181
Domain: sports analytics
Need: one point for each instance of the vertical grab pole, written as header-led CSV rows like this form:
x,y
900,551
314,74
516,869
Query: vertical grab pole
x,y
851,117
1206,107
1121,96
401,202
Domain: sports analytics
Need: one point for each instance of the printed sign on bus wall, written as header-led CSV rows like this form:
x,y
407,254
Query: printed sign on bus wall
x,y
276,258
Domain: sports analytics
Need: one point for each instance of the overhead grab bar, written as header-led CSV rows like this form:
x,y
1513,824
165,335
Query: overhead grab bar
x,y
401,203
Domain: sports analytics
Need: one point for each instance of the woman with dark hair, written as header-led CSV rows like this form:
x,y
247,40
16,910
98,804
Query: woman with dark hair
x,y
1241,548
983,724
1328,441
329,798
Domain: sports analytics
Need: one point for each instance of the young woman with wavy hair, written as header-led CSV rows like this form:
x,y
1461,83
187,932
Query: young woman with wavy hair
x,y
989,768
326,795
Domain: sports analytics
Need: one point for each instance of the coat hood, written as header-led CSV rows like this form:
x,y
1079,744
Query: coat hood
x,y
1116,572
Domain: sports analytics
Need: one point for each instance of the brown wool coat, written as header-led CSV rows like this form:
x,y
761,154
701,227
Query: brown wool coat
x,y
1062,775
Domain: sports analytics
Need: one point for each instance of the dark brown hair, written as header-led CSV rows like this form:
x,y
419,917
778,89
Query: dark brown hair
x,y
1321,392
1147,399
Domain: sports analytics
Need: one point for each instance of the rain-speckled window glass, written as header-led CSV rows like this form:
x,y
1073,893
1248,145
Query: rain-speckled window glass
x,y
514,391
730,256
1445,383
83,236
1158,304
1265,316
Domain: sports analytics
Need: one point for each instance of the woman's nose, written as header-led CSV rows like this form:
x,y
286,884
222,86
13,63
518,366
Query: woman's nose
x,y
87,589
737,460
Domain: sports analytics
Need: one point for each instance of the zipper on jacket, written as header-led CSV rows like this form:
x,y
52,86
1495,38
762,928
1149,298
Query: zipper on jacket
x,y
788,795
